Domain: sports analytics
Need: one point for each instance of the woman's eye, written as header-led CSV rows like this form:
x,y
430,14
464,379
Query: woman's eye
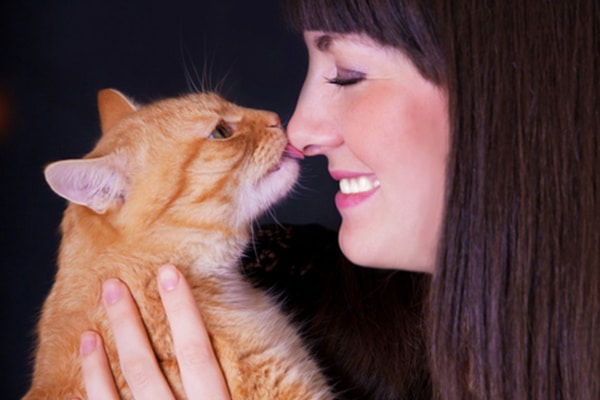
x,y
221,131
346,78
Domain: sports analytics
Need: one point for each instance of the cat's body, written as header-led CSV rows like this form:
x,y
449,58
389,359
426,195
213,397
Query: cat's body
x,y
179,182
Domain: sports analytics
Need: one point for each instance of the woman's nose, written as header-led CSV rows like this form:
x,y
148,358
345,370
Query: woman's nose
x,y
311,128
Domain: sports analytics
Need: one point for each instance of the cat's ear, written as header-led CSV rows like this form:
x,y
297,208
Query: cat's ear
x,y
95,183
113,106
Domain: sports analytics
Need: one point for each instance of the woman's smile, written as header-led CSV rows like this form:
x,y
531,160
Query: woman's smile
x,y
384,130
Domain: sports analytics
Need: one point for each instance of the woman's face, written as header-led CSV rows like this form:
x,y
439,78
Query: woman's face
x,y
384,130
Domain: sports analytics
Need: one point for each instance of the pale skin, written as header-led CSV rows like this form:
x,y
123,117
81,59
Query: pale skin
x,y
201,375
384,130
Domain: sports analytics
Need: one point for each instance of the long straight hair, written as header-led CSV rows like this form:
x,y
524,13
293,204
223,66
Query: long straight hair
x,y
514,308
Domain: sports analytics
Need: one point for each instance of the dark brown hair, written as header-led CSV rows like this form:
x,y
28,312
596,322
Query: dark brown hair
x,y
364,326
404,25
514,307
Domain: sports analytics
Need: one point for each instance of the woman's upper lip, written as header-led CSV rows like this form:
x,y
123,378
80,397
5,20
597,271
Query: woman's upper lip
x,y
342,174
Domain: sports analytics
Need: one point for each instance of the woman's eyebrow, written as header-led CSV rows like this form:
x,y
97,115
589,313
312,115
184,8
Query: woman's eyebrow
x,y
323,42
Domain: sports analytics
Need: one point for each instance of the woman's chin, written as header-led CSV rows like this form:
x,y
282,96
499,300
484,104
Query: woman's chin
x,y
365,248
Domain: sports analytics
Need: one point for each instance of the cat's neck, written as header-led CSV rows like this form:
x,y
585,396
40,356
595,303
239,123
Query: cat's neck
x,y
92,238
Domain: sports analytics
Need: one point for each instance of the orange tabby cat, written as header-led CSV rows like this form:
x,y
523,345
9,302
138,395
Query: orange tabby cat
x,y
178,181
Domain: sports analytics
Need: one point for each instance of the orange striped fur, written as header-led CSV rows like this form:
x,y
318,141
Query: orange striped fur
x,y
177,181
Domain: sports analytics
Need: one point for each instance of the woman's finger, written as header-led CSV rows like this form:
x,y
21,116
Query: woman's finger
x,y
139,365
99,383
201,374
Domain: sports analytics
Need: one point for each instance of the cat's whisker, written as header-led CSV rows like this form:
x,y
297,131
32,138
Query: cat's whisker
x,y
186,60
253,226
206,80
221,83
197,83
271,213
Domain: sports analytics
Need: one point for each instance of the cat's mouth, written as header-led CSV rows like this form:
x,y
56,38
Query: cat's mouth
x,y
290,152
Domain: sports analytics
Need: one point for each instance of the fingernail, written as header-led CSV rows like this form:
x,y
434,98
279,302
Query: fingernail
x,y
168,277
112,291
88,343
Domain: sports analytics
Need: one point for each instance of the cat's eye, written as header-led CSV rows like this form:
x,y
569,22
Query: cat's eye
x,y
221,131
346,78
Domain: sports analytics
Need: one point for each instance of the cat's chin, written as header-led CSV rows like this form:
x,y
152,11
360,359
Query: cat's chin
x,y
279,180
274,186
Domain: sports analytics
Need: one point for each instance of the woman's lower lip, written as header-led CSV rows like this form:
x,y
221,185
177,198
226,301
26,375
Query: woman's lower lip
x,y
343,201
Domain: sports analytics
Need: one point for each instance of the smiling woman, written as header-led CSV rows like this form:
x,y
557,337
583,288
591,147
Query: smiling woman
x,y
384,130
476,160
464,138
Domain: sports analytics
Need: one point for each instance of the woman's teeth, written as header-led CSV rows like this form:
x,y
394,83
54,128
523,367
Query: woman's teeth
x,y
358,185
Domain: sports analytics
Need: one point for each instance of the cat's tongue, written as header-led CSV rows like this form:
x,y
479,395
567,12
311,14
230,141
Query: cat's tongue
x,y
292,152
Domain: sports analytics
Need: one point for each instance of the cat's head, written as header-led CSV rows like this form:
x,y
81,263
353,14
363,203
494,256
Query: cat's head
x,y
191,161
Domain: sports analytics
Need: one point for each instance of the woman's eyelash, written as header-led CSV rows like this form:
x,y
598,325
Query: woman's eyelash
x,y
347,78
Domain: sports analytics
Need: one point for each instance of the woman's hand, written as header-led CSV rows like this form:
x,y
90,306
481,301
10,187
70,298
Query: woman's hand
x,y
200,372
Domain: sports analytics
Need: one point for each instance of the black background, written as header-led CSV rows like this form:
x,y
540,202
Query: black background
x,y
56,55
